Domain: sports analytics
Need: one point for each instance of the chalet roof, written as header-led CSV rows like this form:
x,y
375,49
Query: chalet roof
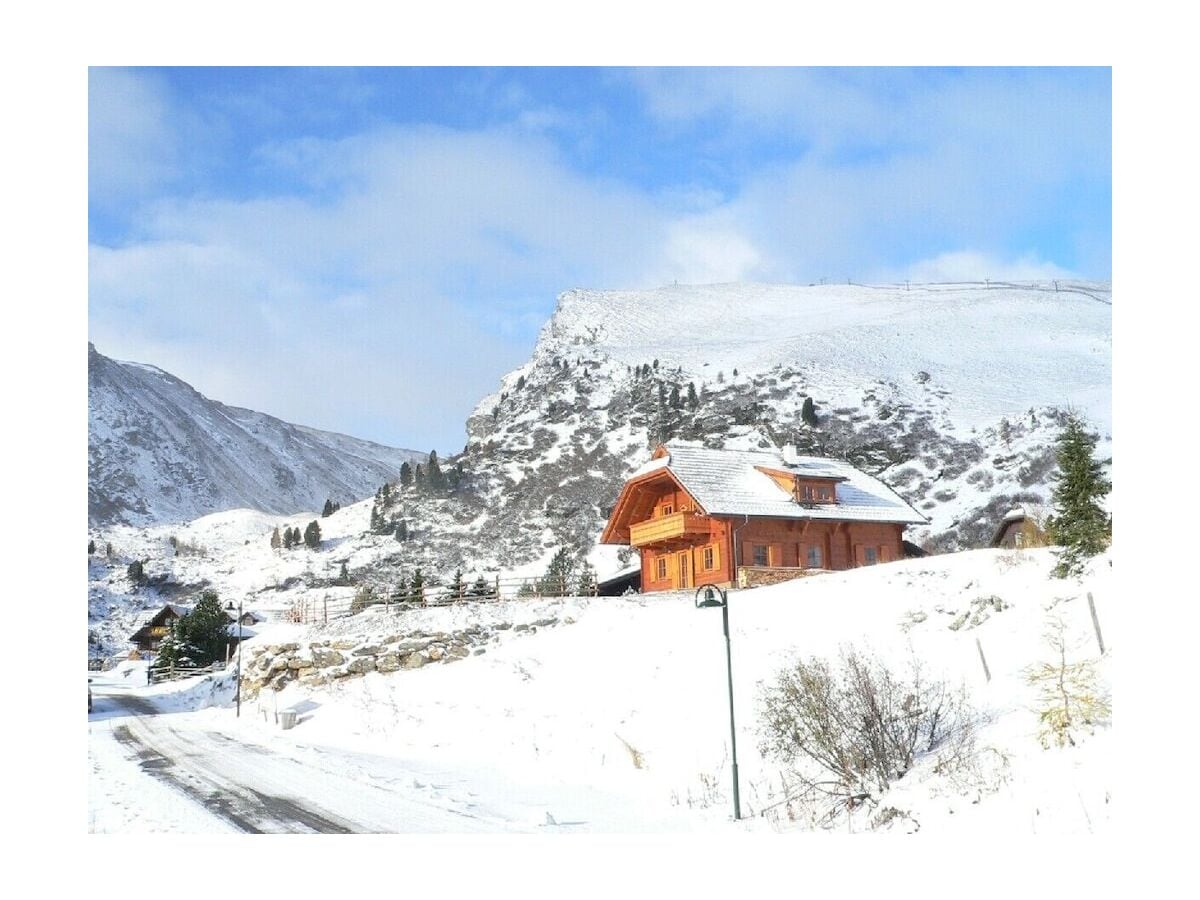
x,y
728,482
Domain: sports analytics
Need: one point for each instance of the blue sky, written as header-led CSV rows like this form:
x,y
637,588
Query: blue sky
x,y
368,250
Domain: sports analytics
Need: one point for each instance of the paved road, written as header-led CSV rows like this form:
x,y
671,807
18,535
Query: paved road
x,y
258,788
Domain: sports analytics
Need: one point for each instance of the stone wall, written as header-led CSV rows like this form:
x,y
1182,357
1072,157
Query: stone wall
x,y
760,576
315,663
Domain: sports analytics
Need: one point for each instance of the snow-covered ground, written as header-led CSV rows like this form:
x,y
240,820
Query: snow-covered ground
x,y
616,720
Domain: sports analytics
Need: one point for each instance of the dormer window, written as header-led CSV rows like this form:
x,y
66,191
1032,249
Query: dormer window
x,y
808,492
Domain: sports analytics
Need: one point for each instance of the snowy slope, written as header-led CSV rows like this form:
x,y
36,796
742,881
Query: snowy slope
x,y
159,451
615,717
996,349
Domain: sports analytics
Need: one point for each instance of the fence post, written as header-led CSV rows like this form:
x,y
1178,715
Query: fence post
x,y
1096,622
497,585
325,610
983,659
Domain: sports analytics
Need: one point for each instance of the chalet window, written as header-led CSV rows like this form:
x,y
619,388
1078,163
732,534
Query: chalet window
x,y
661,568
667,509
814,557
870,555
760,555
709,562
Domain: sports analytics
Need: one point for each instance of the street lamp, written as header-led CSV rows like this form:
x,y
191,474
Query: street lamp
x,y
230,608
713,597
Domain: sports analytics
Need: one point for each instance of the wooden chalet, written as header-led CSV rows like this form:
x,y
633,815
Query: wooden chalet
x,y
149,637
725,517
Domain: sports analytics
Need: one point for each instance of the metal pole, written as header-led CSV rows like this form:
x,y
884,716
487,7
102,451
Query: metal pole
x,y
239,662
737,806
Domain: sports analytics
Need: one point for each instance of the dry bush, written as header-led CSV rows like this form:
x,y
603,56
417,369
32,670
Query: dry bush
x,y
1070,698
850,732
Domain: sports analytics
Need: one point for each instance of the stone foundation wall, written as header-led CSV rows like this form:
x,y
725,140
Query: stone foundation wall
x,y
321,662
760,576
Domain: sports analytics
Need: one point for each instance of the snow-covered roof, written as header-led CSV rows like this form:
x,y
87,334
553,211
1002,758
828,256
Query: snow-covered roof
x,y
728,482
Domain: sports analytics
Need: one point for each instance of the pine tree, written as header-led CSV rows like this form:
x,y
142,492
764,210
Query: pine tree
x,y
406,475
136,572
480,588
416,588
1080,526
91,547
344,574
434,476
312,535
458,589
808,412
401,532
559,574
676,399
586,585
206,628
328,509
693,402
419,478
276,540
400,591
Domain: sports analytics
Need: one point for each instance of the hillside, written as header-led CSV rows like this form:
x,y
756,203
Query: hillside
x,y
611,714
951,394
159,451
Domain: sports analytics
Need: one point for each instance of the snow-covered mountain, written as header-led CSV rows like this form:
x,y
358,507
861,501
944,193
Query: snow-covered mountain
x,y
159,451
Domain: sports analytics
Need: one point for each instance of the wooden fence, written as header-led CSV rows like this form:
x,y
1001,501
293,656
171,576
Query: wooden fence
x,y
435,592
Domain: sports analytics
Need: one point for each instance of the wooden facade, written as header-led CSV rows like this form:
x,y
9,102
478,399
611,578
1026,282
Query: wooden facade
x,y
683,547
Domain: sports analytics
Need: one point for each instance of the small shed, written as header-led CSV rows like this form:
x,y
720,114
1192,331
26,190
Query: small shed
x,y
1018,529
629,579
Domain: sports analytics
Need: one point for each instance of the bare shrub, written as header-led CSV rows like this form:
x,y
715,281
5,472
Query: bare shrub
x,y
850,732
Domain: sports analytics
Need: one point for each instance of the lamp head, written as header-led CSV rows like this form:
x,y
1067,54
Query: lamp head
x,y
709,597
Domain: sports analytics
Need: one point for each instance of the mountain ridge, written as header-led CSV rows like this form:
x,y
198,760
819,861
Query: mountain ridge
x,y
160,451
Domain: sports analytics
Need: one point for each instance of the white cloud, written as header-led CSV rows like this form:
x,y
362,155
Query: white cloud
x,y
971,265
132,147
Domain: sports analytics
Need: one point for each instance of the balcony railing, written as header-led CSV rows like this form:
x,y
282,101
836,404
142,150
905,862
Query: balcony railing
x,y
676,525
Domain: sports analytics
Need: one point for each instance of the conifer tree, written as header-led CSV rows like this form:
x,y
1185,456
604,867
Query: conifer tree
x,y
401,532
693,401
559,574
808,412
406,475
480,588
312,535
586,586
433,475
458,589
327,511
91,547
344,574
416,588
676,399
276,540
419,478
1079,525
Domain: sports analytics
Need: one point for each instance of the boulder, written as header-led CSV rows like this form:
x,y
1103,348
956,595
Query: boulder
x,y
323,658
300,662
369,650
521,627
387,662
436,652
343,645
414,660
541,623
361,666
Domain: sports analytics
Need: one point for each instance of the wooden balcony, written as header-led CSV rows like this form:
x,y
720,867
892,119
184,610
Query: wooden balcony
x,y
666,528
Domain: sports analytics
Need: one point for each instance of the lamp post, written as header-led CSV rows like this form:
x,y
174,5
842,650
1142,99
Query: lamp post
x,y
712,597
229,608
